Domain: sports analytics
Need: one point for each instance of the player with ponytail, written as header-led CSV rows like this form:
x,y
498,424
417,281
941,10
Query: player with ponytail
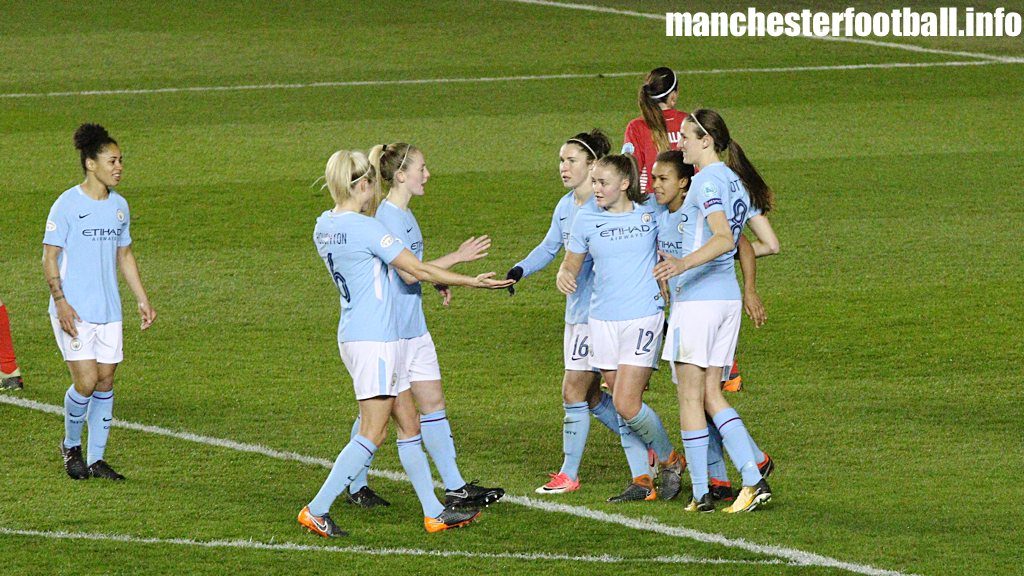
x,y
657,128
706,301
626,314
357,250
402,173
581,392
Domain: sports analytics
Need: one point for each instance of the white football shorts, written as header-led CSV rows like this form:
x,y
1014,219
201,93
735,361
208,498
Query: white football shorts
x,y
577,349
376,368
703,333
103,343
420,358
630,342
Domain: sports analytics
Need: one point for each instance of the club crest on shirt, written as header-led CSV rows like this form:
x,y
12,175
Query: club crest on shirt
x,y
680,227
710,190
646,217
387,241
120,216
628,148
51,226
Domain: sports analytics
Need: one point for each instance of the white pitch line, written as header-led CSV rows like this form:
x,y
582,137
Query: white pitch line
x,y
790,555
365,550
487,79
878,43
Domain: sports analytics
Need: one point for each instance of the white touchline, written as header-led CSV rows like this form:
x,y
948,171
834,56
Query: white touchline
x,y
290,547
879,43
487,79
791,555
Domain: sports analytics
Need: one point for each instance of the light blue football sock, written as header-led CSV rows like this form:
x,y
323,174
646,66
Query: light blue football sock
x,y
737,444
716,460
759,454
101,413
353,458
414,461
605,412
359,482
75,408
575,428
438,440
636,450
650,429
695,444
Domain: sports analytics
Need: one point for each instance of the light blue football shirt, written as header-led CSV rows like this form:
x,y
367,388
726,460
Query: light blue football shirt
x,y
623,246
408,297
577,304
89,232
670,240
716,188
357,250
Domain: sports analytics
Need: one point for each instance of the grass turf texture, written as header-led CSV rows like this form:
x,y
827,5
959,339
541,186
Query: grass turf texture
x,y
879,385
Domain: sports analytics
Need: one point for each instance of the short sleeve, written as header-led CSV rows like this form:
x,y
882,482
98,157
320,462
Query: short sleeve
x,y
57,226
709,197
124,217
384,244
579,235
390,219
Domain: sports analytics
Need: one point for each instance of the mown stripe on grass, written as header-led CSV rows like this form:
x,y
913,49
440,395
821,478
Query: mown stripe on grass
x,y
863,41
790,555
486,79
369,551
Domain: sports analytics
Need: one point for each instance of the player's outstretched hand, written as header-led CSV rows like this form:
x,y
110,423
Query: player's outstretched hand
x,y
148,314
487,281
670,266
515,274
474,248
754,307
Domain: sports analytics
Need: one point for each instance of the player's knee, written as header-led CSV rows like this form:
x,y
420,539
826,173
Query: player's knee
x,y
627,407
377,436
573,392
431,405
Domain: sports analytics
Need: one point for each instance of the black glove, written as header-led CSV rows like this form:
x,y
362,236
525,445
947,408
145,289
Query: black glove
x,y
515,273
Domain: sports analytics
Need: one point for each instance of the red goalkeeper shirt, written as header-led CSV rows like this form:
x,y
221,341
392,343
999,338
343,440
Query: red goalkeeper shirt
x,y
639,142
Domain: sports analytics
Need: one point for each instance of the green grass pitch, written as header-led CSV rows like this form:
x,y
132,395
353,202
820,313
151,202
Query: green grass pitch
x,y
886,383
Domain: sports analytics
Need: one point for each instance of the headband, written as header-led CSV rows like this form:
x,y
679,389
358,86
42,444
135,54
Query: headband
x,y
365,175
407,148
585,145
670,88
694,117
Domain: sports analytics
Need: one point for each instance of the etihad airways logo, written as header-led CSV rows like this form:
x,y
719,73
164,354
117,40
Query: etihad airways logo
x,y
102,233
623,232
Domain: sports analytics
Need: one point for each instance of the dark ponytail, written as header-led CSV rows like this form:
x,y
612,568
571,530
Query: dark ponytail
x,y
595,144
710,122
626,167
90,140
657,87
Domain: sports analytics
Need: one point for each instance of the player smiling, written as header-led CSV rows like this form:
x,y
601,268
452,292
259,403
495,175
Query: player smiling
x,y
87,240
705,319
